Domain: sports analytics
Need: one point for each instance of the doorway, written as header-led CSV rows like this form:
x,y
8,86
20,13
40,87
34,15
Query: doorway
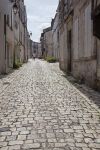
x,y
69,50
96,21
96,26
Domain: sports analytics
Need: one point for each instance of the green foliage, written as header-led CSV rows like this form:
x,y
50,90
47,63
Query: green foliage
x,y
51,59
17,65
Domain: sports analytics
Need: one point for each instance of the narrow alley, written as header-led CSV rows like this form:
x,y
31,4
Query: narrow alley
x,y
40,109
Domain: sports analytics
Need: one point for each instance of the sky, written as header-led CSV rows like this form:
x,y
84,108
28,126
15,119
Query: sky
x,y
39,13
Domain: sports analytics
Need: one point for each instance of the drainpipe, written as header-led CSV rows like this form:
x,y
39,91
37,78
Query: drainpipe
x,y
92,14
5,33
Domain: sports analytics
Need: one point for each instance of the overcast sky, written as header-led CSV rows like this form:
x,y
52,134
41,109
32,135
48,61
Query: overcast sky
x,y
40,13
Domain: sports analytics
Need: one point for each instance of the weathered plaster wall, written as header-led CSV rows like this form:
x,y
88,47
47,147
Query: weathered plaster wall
x,y
63,47
5,52
84,52
48,43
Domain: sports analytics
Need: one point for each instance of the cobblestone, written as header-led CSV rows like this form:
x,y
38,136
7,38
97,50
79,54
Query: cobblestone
x,y
40,109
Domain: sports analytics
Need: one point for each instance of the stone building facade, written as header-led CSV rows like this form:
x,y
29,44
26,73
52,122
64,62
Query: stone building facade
x,y
14,37
84,50
48,41
96,33
6,37
42,45
36,49
79,44
39,53
26,37
21,33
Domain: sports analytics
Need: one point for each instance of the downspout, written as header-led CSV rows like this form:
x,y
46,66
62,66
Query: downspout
x,y
5,33
19,35
92,14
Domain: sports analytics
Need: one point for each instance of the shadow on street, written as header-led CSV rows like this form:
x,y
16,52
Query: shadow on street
x,y
93,95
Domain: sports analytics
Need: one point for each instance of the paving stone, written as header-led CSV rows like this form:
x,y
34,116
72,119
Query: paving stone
x,y
2,138
15,133
68,130
24,132
2,144
28,141
11,138
4,129
5,133
40,109
30,146
52,140
14,147
50,135
21,137
15,142
86,148
59,149
94,145
4,148
60,145
81,145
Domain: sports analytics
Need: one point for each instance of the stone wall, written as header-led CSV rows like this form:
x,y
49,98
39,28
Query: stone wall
x,y
83,56
6,37
84,52
48,43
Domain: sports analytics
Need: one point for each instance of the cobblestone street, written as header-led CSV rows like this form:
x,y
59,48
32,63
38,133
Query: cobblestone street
x,y
40,109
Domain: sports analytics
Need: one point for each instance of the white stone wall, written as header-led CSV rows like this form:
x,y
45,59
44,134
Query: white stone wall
x,y
84,61
48,43
85,47
63,48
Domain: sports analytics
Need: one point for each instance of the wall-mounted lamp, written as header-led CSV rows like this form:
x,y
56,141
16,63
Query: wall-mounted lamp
x,y
30,33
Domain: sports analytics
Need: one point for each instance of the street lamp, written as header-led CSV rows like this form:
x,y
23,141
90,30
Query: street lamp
x,y
30,33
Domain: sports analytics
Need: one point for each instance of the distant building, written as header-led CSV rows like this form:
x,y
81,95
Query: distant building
x,y
36,49
48,42
39,54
